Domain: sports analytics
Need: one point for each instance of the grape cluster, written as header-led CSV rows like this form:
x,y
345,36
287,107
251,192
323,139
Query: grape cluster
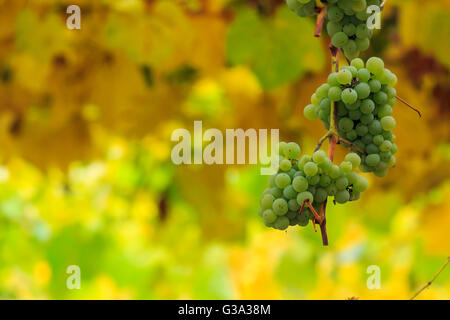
x,y
346,22
364,96
347,25
312,179
303,8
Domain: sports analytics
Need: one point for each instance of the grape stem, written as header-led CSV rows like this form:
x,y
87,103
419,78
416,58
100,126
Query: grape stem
x,y
316,215
319,21
408,105
432,279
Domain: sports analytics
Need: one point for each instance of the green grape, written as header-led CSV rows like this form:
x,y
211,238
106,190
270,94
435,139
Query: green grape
x,y
367,139
339,39
325,181
354,159
349,96
362,44
372,160
335,172
361,129
292,150
342,196
289,192
267,201
378,139
391,161
333,28
359,5
325,105
326,165
332,81
276,192
358,63
280,207
322,91
386,146
363,90
303,219
381,173
282,223
388,123
353,106
351,177
314,99
331,190
351,135
269,216
394,148
310,169
362,32
346,166
387,135
384,111
334,94
385,156
282,180
361,184
341,183
344,76
367,119
319,156
321,195
350,47
285,165
367,106
375,85
345,124
375,65
372,148
363,75
380,97
292,173
314,180
303,196
303,160
335,14
310,112
349,29
375,127
300,184
282,147
293,205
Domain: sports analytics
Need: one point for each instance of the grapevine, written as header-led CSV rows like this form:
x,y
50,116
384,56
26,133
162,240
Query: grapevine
x,y
356,107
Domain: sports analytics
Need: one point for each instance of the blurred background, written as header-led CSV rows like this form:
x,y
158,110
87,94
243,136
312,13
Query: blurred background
x,y
86,177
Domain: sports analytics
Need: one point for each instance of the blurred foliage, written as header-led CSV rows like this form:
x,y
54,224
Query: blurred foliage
x,y
86,178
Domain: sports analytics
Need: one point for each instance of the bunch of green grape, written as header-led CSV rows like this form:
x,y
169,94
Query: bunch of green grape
x,y
312,179
364,96
346,22
303,8
347,25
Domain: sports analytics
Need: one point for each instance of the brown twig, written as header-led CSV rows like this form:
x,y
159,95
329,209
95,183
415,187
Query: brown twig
x,y
352,146
407,104
432,279
319,21
301,209
316,215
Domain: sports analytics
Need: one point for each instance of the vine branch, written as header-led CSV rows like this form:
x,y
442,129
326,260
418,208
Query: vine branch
x,y
408,105
319,21
432,279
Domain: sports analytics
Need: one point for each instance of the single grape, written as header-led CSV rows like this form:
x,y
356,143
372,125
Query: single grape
x,y
354,159
349,96
341,183
344,76
282,180
372,160
282,223
285,165
300,184
303,196
292,150
267,201
280,207
310,169
375,65
269,216
310,112
346,166
388,123
342,196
